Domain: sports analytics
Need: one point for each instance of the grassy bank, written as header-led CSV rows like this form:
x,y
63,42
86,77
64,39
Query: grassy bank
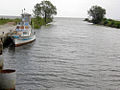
x,y
38,22
107,22
4,21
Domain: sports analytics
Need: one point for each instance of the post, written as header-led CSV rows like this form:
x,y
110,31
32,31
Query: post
x,y
1,57
7,79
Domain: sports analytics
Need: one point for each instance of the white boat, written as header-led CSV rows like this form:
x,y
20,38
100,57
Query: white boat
x,y
24,33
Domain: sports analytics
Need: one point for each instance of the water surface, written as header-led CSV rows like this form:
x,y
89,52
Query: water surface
x,y
68,55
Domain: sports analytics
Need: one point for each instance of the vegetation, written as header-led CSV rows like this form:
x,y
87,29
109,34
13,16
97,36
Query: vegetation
x,y
110,23
44,12
107,22
4,21
97,13
38,22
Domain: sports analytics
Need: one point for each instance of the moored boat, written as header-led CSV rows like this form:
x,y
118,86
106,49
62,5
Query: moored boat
x,y
23,33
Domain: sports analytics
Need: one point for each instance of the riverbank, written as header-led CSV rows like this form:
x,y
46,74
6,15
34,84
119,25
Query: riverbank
x,y
107,22
36,22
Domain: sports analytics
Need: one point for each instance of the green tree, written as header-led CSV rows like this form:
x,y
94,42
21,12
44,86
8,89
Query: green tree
x,y
45,9
97,13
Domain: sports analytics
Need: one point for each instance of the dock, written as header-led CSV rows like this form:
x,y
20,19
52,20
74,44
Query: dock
x,y
5,30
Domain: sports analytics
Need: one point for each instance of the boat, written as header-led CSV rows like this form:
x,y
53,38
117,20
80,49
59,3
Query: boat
x,y
23,33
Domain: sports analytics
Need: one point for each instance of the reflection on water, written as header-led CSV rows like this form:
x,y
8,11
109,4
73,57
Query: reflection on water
x,y
68,55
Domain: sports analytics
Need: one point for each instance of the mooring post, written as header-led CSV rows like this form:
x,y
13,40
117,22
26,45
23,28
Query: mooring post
x,y
7,79
1,57
2,37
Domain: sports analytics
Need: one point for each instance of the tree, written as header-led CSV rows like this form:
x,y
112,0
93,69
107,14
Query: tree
x,y
45,9
97,13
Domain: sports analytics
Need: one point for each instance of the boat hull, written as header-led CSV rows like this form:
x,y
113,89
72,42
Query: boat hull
x,y
20,42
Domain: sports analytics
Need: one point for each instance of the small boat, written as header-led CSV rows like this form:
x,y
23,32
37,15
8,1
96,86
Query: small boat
x,y
23,33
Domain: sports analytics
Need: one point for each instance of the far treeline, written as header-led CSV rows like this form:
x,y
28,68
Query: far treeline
x,y
97,15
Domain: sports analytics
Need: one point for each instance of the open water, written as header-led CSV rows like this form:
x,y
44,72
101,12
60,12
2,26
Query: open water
x,y
70,54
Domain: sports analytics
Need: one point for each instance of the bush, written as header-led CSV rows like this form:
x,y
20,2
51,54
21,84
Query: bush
x,y
38,22
112,23
105,22
86,19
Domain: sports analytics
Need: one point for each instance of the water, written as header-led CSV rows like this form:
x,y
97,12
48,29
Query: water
x,y
68,55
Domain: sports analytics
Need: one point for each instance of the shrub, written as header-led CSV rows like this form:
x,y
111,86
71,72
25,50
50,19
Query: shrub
x,y
105,22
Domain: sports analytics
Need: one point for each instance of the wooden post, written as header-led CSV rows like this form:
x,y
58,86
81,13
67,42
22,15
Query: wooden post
x,y
1,57
1,62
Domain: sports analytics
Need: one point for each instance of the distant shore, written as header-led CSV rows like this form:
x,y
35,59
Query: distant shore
x,y
107,22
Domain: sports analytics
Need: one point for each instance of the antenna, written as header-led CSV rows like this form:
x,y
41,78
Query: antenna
x,y
24,10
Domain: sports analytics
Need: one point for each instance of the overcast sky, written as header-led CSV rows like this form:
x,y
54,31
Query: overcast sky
x,y
65,8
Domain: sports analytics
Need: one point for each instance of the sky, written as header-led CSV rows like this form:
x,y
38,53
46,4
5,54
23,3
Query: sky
x,y
65,8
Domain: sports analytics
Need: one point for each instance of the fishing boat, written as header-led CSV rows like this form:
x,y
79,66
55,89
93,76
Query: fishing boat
x,y
23,33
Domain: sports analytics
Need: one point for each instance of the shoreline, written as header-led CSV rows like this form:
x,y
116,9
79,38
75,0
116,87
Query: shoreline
x,y
106,22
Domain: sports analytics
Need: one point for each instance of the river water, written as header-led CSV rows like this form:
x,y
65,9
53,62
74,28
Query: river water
x,y
70,54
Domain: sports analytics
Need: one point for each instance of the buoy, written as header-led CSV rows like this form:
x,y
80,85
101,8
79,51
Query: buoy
x,y
1,62
7,79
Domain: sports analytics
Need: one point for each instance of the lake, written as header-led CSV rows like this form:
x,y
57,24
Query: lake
x,y
70,54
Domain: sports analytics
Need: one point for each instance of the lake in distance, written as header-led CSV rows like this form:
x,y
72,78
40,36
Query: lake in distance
x,y
70,54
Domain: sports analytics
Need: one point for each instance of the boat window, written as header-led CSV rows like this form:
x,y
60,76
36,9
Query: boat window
x,y
26,23
26,27
17,27
24,32
22,27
